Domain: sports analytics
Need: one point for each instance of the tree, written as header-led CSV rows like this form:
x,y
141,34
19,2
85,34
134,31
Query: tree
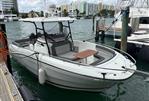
x,y
32,14
65,12
24,15
41,14
111,13
13,10
103,13
77,12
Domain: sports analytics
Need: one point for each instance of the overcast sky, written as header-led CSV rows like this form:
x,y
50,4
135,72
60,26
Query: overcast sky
x,y
38,5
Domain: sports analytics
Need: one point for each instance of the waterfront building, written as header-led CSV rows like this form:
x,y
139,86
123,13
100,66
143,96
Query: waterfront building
x,y
84,8
8,10
77,5
72,9
100,6
16,6
8,6
51,10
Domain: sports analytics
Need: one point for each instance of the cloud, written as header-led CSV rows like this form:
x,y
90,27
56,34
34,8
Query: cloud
x,y
110,1
29,2
28,5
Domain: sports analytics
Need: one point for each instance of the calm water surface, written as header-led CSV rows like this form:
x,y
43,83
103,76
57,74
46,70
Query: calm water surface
x,y
133,89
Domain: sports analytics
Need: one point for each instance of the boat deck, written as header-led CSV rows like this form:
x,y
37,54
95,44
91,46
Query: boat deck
x,y
8,89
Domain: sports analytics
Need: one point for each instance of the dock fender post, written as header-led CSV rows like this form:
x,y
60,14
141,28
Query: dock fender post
x,y
41,76
97,36
102,36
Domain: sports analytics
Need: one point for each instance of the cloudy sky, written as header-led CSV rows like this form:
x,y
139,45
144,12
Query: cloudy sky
x,y
38,5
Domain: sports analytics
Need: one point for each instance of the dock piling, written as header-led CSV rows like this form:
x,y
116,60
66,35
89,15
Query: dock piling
x,y
125,18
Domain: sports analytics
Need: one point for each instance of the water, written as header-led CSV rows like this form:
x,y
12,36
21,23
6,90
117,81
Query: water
x,y
133,89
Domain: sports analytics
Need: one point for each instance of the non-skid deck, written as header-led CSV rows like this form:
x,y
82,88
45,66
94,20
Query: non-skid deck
x,y
8,89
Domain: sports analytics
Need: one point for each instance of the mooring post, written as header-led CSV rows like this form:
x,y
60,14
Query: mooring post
x,y
60,27
125,18
97,32
93,23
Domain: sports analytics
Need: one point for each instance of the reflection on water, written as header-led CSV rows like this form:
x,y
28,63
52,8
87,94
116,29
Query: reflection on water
x,y
133,89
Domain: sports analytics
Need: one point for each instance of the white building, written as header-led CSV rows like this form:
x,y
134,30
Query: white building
x,y
7,8
77,5
88,9
7,5
91,9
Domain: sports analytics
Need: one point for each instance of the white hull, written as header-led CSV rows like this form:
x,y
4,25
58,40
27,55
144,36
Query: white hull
x,y
66,79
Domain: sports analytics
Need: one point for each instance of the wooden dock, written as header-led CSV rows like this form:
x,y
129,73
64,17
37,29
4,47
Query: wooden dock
x,y
8,88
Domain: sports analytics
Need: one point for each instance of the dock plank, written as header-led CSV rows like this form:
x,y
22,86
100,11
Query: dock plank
x,y
8,88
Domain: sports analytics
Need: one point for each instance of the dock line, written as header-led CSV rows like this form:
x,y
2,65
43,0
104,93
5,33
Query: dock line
x,y
137,71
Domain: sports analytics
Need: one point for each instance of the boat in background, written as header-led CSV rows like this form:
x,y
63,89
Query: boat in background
x,y
66,63
8,17
138,38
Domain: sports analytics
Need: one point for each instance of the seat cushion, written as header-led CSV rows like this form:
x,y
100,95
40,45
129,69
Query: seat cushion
x,y
69,55
62,47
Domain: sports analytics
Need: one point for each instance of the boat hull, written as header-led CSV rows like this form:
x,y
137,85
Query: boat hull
x,y
137,51
64,79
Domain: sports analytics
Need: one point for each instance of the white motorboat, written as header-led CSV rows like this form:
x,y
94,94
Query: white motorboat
x,y
72,64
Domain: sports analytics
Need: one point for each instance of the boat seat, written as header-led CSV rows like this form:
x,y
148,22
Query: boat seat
x,y
69,55
61,47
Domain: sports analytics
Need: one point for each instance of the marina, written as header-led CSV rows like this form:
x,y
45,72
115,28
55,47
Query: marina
x,y
64,53
141,86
